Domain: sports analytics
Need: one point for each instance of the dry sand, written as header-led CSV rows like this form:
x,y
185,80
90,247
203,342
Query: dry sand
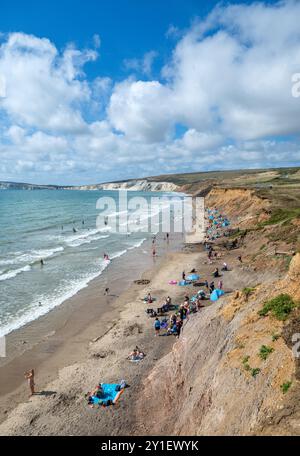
x,y
98,353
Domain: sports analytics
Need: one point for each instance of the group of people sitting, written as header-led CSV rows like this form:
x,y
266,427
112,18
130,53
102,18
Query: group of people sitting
x,y
136,354
166,307
174,324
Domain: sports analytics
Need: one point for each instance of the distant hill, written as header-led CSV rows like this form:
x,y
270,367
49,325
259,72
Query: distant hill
x,y
190,182
25,186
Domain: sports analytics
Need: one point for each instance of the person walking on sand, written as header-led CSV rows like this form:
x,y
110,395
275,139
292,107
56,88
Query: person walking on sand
x,y
157,326
30,378
220,285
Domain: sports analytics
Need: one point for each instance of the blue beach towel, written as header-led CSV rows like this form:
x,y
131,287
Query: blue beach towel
x,y
183,283
109,393
193,277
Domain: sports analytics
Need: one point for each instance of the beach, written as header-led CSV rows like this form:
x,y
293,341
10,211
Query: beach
x,y
62,336
74,360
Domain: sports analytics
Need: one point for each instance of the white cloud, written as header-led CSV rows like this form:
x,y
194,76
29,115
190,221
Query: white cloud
x,y
143,65
42,86
227,83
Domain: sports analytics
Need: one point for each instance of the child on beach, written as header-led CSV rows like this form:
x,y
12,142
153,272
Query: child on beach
x,y
157,326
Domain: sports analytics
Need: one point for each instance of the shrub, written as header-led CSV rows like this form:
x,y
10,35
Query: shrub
x,y
246,359
255,371
280,307
247,291
265,351
275,337
285,387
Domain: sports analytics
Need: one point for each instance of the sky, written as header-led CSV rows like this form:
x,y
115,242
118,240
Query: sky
x,y
95,91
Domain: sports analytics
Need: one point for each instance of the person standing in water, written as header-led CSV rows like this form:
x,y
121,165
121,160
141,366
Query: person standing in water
x,y
30,378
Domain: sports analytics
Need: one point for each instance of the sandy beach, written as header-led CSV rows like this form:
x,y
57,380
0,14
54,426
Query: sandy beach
x,y
62,337
69,366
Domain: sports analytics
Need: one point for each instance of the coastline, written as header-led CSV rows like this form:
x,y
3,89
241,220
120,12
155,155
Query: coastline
x,y
104,358
62,336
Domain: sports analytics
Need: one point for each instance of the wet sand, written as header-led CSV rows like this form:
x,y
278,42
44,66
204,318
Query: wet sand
x,y
62,337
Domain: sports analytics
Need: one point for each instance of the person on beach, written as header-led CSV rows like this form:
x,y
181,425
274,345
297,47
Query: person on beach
x,y
153,251
183,275
106,257
179,324
240,259
225,267
168,236
211,287
74,230
136,354
106,292
30,378
149,298
42,262
220,285
157,326
216,273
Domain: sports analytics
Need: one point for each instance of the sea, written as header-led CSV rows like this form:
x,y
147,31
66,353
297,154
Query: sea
x,y
52,244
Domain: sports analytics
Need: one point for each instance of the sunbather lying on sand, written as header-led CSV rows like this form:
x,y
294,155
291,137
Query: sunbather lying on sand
x,y
136,354
97,392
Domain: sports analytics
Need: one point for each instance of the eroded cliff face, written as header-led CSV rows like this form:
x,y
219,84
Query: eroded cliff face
x,y
243,206
203,387
214,382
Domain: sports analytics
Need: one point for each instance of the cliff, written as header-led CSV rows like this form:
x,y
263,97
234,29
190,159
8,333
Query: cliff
x,y
141,185
233,371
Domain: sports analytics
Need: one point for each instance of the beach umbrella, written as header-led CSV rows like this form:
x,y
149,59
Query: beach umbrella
x,y
193,277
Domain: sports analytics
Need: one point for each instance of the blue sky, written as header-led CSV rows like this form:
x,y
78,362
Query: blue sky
x,y
104,90
128,28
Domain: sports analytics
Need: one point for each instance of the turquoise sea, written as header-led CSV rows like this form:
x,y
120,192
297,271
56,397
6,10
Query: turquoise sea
x,y
58,227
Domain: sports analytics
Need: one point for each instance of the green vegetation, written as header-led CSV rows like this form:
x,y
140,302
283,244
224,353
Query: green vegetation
x,y
275,337
245,363
255,371
246,359
265,351
247,291
281,216
285,387
280,307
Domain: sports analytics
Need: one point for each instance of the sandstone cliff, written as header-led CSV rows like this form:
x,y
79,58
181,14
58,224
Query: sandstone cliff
x,y
232,371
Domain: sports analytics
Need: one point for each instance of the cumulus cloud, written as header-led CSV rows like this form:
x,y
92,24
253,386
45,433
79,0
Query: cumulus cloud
x,y
143,65
227,84
43,88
